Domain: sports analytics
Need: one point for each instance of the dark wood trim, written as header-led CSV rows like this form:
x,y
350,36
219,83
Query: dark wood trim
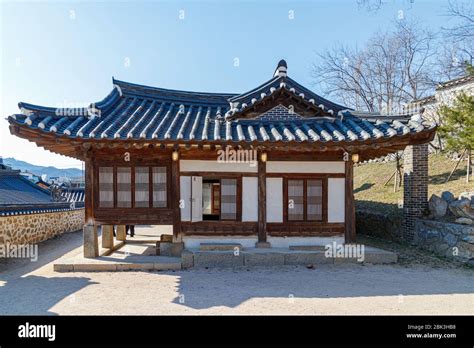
x,y
217,175
115,186
175,189
219,228
306,175
305,229
349,214
89,191
325,199
132,186
262,202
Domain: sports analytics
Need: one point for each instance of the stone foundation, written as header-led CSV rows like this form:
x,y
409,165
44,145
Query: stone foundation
x,y
35,228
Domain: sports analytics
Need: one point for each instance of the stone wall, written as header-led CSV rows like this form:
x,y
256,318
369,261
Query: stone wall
x,y
34,228
385,226
445,239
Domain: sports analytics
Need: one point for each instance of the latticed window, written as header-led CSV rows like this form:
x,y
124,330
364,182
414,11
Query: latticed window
x,y
305,200
314,200
106,187
228,199
133,187
142,187
159,187
124,187
295,200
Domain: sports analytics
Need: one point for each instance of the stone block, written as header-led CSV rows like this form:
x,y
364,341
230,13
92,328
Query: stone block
x,y
135,266
187,259
121,232
167,266
91,242
310,258
264,259
217,259
95,267
108,236
308,247
220,247
63,267
171,249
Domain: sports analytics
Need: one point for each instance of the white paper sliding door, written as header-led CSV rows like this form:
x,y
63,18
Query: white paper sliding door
x,y
196,198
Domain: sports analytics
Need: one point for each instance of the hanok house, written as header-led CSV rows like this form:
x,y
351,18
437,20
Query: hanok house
x,y
271,167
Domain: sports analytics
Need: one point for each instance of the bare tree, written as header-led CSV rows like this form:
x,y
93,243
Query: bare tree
x,y
457,47
393,68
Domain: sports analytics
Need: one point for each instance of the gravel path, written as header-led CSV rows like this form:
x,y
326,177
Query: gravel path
x,y
33,288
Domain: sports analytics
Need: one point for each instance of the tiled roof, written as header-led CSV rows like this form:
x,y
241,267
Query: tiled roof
x,y
15,189
139,112
459,81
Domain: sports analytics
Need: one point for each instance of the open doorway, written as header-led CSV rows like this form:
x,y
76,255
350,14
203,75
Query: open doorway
x,y
211,199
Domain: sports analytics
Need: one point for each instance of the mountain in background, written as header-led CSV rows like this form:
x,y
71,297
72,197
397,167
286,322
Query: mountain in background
x,y
40,170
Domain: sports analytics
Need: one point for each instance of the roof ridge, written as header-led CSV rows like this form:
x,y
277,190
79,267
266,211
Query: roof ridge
x,y
121,83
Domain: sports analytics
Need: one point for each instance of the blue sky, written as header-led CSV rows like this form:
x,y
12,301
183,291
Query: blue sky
x,y
65,53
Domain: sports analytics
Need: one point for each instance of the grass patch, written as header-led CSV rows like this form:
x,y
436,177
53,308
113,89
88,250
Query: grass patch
x,y
371,194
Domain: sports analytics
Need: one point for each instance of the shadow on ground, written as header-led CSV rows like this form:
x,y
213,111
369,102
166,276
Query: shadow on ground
x,y
35,295
201,289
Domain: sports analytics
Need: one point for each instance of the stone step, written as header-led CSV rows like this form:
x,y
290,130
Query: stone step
x,y
220,246
144,263
307,247
257,257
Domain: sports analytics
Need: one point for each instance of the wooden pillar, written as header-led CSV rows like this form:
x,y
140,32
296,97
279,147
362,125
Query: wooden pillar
x,y
176,197
89,189
262,203
121,232
108,236
349,218
91,240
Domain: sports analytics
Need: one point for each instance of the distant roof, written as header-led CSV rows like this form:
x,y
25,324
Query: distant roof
x,y
15,190
143,113
455,82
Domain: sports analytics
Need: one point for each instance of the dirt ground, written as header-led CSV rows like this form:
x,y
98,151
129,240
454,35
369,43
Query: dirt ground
x,y
419,284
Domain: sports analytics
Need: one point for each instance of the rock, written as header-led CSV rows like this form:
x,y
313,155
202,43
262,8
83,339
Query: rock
x,y
437,206
448,196
464,221
462,208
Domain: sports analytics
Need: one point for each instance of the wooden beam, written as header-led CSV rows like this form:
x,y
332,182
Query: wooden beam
x,y
349,218
262,201
89,182
175,201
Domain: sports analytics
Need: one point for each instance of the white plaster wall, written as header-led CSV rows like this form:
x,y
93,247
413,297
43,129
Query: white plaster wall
x,y
185,191
285,242
214,166
249,199
274,199
305,167
336,199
